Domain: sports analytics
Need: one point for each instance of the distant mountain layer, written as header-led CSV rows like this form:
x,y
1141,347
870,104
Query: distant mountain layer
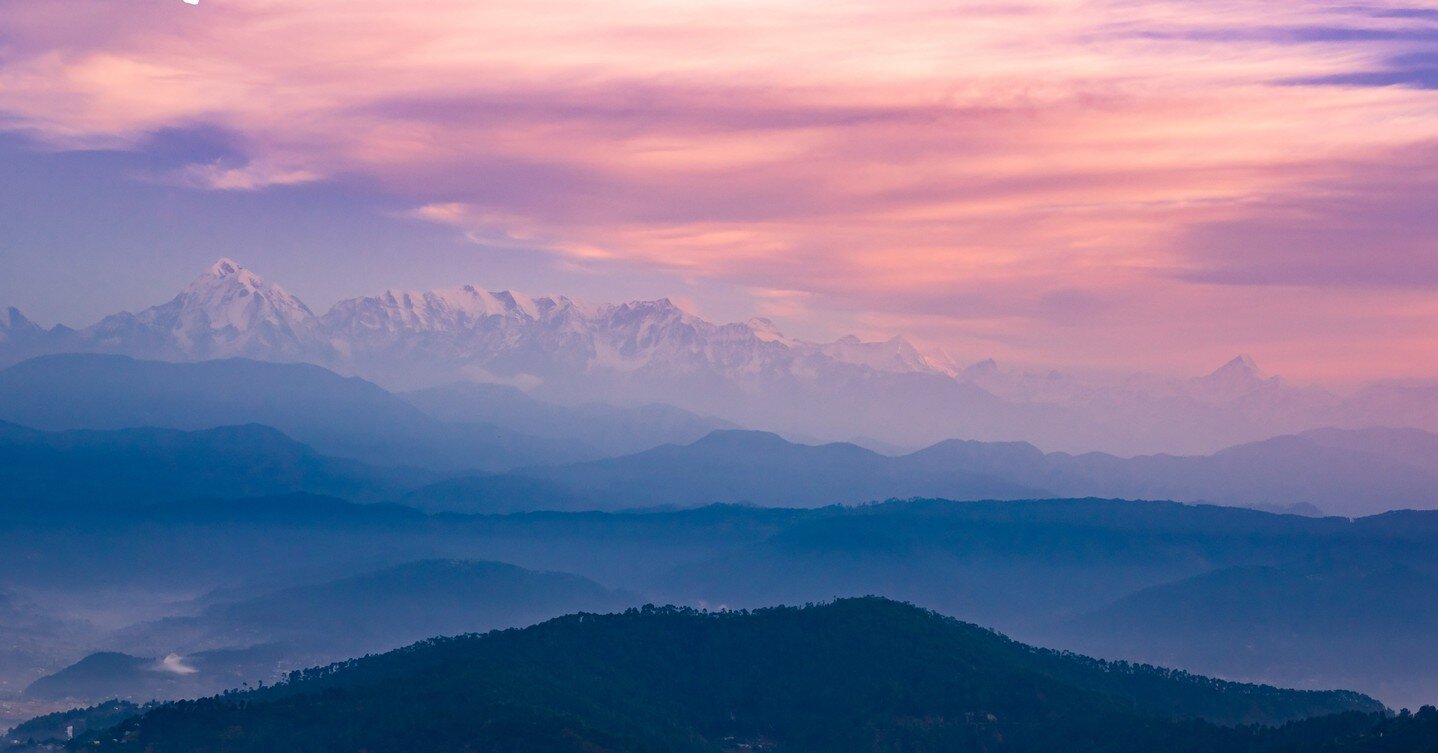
x,y
231,642
855,675
115,675
1271,621
1351,472
1338,471
125,467
613,430
748,373
32,638
343,416
395,606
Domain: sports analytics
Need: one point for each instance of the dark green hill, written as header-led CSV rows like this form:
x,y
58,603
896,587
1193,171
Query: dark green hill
x,y
854,675
61,724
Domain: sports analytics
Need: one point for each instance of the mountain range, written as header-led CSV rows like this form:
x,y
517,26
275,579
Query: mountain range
x,y
1331,470
118,431
750,374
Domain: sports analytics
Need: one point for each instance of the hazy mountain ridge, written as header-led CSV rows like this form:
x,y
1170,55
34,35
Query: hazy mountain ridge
x,y
31,639
1268,621
260,638
111,675
614,429
747,373
125,467
386,608
344,416
1339,471
731,466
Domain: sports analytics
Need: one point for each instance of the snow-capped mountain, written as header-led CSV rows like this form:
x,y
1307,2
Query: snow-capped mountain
x,y
551,342
228,311
1238,377
398,312
749,373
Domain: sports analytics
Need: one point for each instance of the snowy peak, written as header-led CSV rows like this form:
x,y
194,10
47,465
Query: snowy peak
x,y
766,330
225,267
1240,367
228,311
939,360
660,308
1236,378
232,297
228,272
896,354
451,310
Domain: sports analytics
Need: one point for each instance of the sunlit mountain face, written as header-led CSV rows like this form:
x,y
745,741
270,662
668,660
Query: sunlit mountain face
x,y
1031,376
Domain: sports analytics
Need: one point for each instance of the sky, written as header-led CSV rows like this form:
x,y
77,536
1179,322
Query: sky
x,y
1151,185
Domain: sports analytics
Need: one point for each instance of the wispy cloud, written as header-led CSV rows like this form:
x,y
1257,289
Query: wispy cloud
x,y
248,177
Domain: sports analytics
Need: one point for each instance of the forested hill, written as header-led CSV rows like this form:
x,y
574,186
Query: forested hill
x,y
853,675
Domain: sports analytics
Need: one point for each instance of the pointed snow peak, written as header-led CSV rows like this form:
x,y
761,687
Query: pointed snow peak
x,y
939,360
1236,378
765,330
229,295
225,267
1243,365
229,272
519,302
903,345
669,306
660,306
